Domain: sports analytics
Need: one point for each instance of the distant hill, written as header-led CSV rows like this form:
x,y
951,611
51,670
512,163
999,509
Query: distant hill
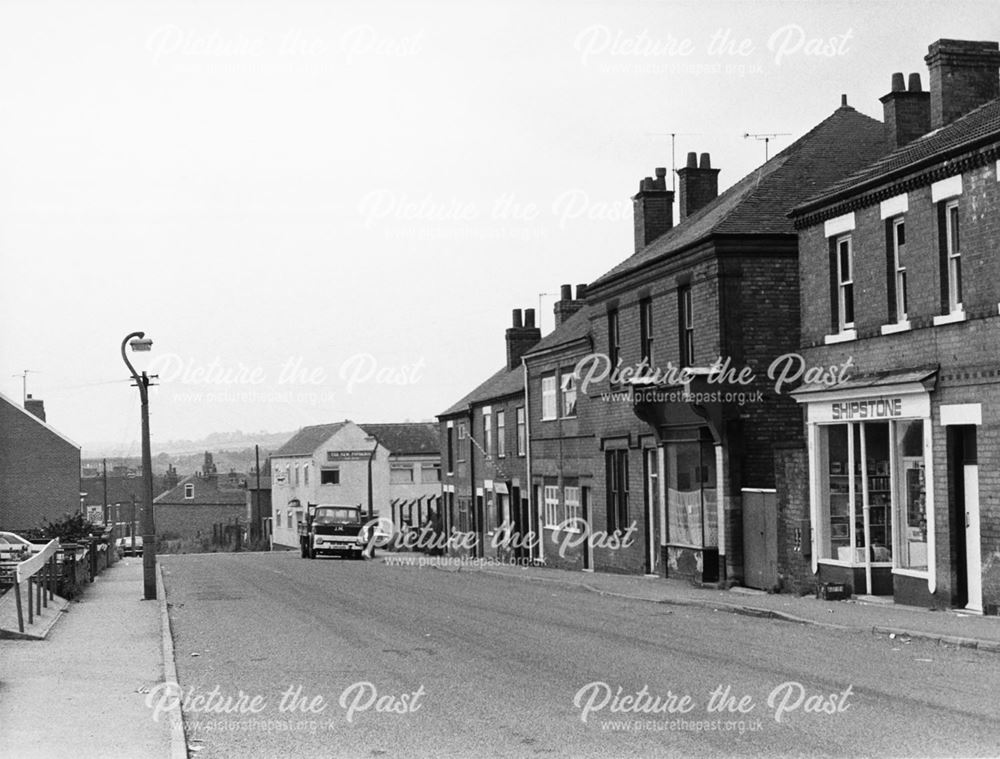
x,y
230,450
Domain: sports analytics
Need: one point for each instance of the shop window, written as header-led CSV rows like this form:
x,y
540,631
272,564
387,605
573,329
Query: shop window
x,y
549,396
329,476
856,507
911,504
692,506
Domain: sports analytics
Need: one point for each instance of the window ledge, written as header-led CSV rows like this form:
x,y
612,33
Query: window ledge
x,y
920,574
841,337
892,329
953,318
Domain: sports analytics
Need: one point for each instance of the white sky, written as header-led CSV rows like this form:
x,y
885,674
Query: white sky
x,y
344,186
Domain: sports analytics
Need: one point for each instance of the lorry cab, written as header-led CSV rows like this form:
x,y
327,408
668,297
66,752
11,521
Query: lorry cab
x,y
333,529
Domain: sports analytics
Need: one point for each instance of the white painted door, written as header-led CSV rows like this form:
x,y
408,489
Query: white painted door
x,y
973,557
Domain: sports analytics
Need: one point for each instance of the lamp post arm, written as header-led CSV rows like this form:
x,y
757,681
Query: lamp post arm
x,y
140,335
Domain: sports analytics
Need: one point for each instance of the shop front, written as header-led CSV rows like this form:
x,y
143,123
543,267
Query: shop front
x,y
686,497
871,463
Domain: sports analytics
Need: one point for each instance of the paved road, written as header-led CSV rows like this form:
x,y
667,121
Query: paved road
x,y
349,658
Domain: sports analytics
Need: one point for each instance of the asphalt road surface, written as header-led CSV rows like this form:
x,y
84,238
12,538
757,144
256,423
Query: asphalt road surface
x,y
279,656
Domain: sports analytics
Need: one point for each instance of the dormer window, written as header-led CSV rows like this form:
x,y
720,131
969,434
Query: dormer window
x,y
189,491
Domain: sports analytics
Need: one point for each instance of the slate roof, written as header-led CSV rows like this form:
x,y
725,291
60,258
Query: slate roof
x,y
759,203
963,134
406,438
308,439
211,490
501,384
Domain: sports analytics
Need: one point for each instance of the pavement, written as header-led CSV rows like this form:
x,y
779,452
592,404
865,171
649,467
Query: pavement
x,y
82,689
82,686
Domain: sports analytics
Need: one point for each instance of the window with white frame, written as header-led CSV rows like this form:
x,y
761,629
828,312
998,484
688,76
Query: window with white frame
x,y
501,433
646,330
522,432
549,396
329,476
899,267
463,433
568,393
685,306
305,473
277,518
488,433
954,253
845,284
551,503
571,498
189,491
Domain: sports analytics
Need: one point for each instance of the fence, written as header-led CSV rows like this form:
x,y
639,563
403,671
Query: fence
x,y
40,589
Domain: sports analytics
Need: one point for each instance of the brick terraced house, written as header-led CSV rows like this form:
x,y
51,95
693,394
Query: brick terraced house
x,y
900,278
484,450
686,458
39,468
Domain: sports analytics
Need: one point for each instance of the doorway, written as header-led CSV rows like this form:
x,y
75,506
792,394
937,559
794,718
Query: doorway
x,y
965,517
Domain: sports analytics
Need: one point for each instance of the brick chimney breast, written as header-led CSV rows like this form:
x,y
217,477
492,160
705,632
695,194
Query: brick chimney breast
x,y
963,76
698,184
521,337
35,407
566,306
906,112
652,209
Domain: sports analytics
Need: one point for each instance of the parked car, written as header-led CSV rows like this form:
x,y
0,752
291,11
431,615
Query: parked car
x,y
15,548
125,546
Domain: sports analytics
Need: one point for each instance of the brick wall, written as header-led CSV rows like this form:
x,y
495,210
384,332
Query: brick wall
x,y
39,472
195,521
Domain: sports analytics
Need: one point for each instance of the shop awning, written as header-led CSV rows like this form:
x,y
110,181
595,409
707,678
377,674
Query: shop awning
x,y
916,380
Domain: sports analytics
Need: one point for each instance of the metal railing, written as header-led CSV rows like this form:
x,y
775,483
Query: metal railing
x,y
40,589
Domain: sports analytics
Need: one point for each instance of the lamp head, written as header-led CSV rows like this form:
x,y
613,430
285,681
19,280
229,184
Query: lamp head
x,y
141,344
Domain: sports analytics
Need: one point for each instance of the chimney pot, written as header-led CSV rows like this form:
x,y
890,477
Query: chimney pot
x,y
698,185
897,82
652,210
566,292
906,112
516,322
913,85
581,292
529,318
843,101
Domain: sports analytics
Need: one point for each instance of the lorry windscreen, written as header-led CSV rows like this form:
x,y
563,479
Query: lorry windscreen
x,y
335,516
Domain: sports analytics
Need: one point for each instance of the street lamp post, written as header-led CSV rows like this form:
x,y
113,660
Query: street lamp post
x,y
139,343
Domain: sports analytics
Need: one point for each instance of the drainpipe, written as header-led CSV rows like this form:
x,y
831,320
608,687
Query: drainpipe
x,y
527,462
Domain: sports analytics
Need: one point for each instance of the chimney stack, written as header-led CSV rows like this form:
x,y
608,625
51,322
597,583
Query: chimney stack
x,y
566,306
963,76
521,336
652,209
906,112
698,184
35,407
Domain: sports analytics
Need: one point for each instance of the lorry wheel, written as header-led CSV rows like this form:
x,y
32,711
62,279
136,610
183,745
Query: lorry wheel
x,y
311,552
